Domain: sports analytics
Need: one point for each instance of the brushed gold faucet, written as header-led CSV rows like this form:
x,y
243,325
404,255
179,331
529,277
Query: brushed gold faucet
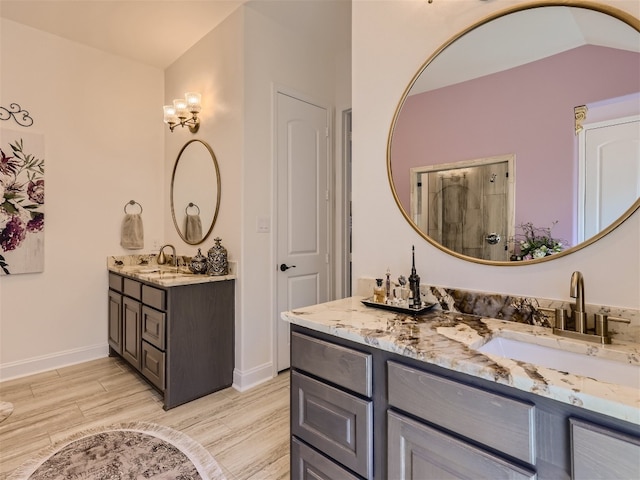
x,y
578,315
576,291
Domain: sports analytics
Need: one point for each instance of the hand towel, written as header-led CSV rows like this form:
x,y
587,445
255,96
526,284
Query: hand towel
x,y
132,236
193,228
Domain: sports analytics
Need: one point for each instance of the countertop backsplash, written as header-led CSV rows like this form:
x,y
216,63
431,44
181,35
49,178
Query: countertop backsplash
x,y
624,323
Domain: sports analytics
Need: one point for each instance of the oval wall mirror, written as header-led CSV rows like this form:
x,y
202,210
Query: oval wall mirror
x,y
517,141
195,192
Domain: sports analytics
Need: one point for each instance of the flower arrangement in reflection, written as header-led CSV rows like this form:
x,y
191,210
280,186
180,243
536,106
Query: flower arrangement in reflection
x,y
537,242
21,198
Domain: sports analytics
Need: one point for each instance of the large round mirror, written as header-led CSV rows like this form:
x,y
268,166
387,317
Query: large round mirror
x,y
195,192
518,140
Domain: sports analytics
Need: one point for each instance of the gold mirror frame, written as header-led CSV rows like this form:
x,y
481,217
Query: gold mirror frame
x,y
217,205
612,11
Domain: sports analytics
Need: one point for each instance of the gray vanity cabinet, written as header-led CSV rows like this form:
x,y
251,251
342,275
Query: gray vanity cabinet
x,y
429,422
601,453
180,338
331,411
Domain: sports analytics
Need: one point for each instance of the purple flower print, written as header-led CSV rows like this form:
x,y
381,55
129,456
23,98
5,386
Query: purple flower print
x,y
36,223
13,234
8,165
35,190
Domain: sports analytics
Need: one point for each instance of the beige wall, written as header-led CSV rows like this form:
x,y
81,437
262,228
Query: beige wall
x,y
238,66
120,149
391,40
101,120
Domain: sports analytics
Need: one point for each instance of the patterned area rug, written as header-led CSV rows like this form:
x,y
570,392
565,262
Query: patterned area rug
x,y
6,408
127,451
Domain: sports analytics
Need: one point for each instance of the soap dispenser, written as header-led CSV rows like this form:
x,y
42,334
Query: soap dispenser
x,y
378,292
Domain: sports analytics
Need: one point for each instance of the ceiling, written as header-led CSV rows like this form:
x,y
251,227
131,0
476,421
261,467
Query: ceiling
x,y
157,32
524,37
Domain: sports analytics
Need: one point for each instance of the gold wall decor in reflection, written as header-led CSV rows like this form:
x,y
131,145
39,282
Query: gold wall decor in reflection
x,y
580,115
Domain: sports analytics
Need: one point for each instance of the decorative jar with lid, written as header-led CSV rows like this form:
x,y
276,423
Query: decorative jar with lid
x,y
217,262
198,263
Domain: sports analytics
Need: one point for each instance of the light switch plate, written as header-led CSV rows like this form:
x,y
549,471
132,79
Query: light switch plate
x,y
263,225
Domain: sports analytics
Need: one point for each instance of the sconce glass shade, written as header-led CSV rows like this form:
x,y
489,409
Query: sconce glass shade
x,y
180,104
184,112
193,101
170,114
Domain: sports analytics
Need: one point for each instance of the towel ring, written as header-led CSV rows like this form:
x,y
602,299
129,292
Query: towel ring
x,y
191,204
131,202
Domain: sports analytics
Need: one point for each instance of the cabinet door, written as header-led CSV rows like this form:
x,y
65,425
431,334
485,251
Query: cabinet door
x,y
153,364
335,422
418,452
131,321
307,464
600,453
115,321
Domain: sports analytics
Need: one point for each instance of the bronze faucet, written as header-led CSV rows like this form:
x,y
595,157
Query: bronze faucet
x,y
578,314
162,259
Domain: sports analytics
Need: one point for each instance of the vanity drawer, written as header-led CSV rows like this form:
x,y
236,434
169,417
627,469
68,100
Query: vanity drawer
x,y
308,464
115,282
417,451
335,422
153,327
342,366
498,422
153,364
132,288
154,297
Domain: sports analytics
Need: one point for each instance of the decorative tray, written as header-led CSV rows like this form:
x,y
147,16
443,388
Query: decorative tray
x,y
397,308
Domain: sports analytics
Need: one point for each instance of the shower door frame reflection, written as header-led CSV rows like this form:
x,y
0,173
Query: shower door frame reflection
x,y
481,202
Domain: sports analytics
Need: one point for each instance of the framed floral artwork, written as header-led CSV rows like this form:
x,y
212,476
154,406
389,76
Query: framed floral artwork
x,y
21,202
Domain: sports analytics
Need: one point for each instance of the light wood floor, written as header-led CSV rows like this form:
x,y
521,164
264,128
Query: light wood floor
x,y
247,433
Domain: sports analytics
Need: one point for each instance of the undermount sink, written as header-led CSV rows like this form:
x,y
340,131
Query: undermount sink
x,y
598,368
164,272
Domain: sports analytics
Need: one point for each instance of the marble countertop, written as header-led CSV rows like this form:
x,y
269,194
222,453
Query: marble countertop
x,y
450,340
166,276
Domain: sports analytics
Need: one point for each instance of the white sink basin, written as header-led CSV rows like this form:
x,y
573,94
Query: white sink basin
x,y
156,273
603,369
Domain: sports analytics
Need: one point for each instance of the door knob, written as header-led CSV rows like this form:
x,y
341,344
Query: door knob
x,y
492,238
284,267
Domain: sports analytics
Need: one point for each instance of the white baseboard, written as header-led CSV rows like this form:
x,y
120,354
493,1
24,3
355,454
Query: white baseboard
x,y
44,363
244,380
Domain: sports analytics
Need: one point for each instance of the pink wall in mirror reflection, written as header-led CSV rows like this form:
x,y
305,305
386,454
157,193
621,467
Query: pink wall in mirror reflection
x,y
527,110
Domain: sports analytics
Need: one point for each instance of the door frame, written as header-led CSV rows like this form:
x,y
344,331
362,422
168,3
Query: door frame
x,y
275,314
346,241
509,158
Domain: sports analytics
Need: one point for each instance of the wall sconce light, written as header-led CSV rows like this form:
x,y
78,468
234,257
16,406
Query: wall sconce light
x,y
178,113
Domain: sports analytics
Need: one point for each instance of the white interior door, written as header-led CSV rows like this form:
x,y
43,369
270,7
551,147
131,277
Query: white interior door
x,y
611,173
302,211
